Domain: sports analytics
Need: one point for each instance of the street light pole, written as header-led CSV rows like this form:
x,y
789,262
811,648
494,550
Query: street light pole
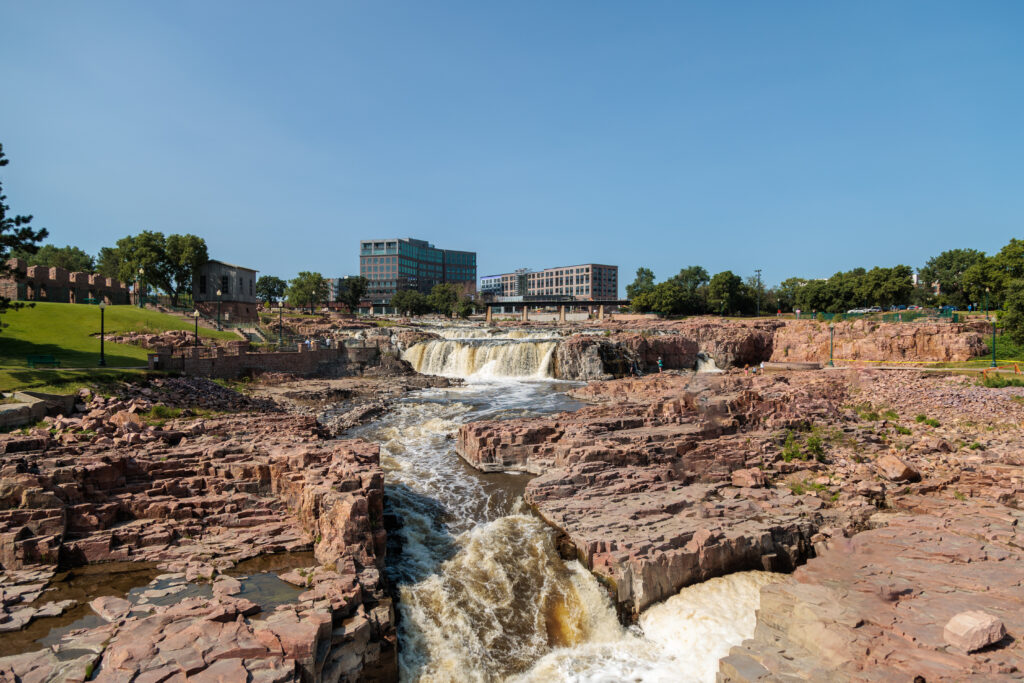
x,y
758,271
103,358
218,309
280,323
993,343
195,339
986,303
141,273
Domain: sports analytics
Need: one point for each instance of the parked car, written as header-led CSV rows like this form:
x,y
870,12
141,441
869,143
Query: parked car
x,y
913,308
875,309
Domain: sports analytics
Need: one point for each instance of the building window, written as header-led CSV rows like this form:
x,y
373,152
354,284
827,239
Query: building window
x,y
202,284
224,284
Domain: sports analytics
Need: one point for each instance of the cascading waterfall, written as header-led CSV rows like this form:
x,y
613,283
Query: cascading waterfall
x,y
484,358
484,595
706,363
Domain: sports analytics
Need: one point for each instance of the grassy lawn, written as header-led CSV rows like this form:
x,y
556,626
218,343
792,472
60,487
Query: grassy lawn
x,y
65,331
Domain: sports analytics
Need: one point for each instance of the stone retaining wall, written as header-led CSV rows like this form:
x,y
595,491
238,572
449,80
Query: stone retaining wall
x,y
238,362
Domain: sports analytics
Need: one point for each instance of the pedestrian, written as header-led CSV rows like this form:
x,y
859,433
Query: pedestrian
x,y
659,364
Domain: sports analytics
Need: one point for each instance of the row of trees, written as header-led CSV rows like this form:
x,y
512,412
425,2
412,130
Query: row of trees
x,y
693,292
444,299
311,289
963,277
168,263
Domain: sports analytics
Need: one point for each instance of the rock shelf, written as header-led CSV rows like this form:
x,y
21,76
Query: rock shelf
x,y
894,495
196,496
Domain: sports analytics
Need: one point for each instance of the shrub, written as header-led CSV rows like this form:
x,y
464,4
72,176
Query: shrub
x,y
900,429
813,446
790,449
976,446
891,415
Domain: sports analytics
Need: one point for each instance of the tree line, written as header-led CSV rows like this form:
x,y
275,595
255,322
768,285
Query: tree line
x,y
311,289
962,277
956,277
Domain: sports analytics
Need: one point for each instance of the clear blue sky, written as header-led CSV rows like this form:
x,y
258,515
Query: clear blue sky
x,y
799,137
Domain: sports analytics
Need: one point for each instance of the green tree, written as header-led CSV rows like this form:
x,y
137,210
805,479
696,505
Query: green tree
x,y
307,289
786,292
724,292
665,298
465,307
644,282
352,291
69,258
694,282
16,233
410,302
185,254
443,298
108,263
1012,320
270,288
948,269
145,252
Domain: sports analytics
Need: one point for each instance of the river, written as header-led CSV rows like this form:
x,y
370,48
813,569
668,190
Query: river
x,y
484,595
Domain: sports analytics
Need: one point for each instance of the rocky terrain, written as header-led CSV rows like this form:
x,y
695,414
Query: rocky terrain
x,y
194,492
894,495
610,350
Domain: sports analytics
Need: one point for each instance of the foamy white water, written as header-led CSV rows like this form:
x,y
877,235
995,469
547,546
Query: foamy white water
x,y
484,595
528,357
680,640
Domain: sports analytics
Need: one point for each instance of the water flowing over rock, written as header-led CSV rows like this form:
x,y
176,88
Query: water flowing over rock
x,y
483,358
658,453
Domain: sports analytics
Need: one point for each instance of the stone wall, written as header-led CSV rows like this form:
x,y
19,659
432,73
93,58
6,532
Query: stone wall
x,y
238,362
39,283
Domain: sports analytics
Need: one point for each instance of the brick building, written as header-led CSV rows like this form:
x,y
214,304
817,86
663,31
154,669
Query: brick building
x,y
228,287
587,282
396,264
43,283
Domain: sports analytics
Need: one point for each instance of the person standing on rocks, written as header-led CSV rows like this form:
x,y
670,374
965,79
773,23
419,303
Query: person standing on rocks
x,y
659,364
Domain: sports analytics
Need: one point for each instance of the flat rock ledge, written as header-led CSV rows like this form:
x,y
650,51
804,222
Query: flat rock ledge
x,y
876,606
222,490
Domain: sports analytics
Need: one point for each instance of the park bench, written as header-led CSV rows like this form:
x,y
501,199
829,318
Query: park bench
x,y
33,361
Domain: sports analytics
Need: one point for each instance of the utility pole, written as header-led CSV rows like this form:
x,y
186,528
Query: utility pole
x,y
758,271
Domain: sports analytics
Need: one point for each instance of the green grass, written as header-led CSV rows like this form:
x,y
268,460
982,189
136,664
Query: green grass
x,y
65,331
995,381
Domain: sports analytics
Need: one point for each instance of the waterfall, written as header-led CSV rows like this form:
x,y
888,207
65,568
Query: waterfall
x,y
706,363
529,357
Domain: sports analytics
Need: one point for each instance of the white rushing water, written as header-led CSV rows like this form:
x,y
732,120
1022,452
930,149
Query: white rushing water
x,y
477,354
484,595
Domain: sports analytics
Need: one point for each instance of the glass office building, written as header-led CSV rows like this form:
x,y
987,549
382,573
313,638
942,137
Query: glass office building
x,y
395,264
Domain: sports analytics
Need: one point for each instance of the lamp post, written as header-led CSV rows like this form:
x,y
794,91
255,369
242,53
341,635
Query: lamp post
x,y
218,309
195,340
986,303
103,358
280,323
141,273
831,343
993,343
758,271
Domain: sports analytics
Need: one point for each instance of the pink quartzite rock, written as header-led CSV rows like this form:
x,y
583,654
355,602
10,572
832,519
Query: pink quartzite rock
x,y
752,478
111,608
970,631
895,469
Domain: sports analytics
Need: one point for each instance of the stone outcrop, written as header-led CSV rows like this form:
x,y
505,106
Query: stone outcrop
x,y
729,344
196,496
879,605
641,484
865,340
